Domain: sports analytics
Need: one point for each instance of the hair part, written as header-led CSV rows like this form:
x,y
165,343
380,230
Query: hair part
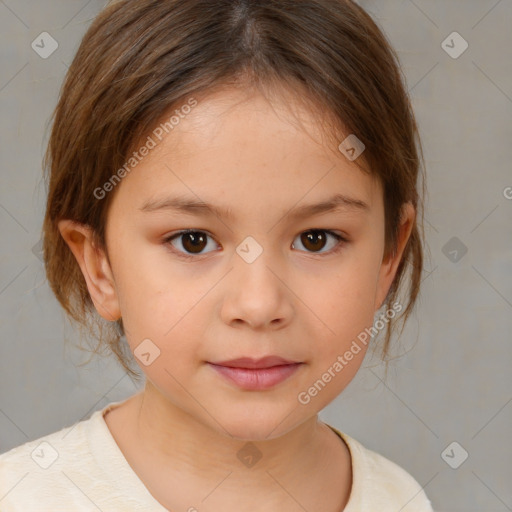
x,y
139,59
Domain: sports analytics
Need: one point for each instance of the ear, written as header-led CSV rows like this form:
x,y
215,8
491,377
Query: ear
x,y
95,268
390,264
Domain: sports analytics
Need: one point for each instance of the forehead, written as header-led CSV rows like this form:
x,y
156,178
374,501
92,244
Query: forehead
x,y
237,146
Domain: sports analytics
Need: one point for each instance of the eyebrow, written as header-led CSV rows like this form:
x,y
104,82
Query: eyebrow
x,y
337,203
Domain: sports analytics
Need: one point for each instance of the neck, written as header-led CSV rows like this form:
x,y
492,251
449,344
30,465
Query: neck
x,y
306,464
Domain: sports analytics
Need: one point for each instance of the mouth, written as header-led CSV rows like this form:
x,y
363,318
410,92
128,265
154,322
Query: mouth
x,y
249,362
256,374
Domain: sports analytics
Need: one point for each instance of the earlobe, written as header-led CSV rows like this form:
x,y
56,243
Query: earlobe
x,y
390,265
95,268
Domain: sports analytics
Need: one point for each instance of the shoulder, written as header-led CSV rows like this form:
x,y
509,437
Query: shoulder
x,y
40,472
381,484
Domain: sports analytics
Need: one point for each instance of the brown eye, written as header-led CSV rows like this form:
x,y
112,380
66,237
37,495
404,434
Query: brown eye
x,y
192,242
315,240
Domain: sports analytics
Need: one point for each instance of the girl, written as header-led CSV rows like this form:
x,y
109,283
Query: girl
x,y
232,198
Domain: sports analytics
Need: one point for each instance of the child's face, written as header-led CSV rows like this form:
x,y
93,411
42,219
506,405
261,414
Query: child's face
x,y
299,299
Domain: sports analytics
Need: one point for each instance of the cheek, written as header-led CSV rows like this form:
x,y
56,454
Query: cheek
x,y
151,303
346,304
351,290
165,307
170,316
339,354
165,335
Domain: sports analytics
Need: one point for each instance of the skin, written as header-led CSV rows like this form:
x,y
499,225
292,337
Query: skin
x,y
302,302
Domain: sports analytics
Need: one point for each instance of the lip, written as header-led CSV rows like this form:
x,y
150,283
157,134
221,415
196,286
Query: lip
x,y
257,379
249,362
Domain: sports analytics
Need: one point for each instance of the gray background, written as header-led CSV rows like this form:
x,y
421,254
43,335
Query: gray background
x,y
453,384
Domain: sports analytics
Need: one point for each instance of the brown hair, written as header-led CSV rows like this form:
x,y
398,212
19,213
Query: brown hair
x,y
140,58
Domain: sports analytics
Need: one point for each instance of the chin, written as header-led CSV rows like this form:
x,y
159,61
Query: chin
x,y
258,424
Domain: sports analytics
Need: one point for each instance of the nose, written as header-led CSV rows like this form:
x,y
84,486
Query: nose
x,y
256,293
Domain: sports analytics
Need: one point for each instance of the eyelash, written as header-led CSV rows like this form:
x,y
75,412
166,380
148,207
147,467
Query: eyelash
x,y
167,241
